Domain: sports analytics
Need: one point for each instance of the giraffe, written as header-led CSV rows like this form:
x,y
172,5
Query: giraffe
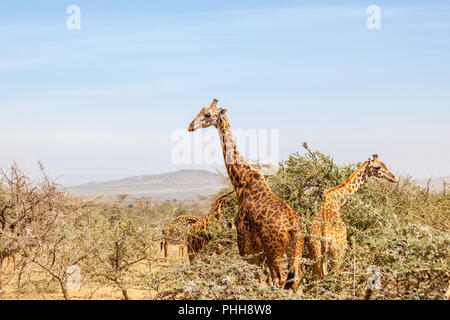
x,y
8,255
176,231
266,226
198,238
327,230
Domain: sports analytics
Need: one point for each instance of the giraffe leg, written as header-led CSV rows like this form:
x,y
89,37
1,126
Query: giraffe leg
x,y
324,267
295,252
265,270
275,273
247,251
13,258
251,248
190,249
317,248
315,254
257,259
182,250
274,256
244,244
338,255
166,248
1,267
447,294
1,271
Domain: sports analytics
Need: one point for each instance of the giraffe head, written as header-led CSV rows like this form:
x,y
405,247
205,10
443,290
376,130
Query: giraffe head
x,y
207,117
378,169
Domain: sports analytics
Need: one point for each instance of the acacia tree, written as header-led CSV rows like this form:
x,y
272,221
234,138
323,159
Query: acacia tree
x,y
115,245
39,221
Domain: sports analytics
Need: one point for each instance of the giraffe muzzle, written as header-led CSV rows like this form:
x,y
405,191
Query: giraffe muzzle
x,y
194,125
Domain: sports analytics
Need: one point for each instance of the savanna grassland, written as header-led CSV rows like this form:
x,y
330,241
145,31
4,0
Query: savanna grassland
x,y
401,228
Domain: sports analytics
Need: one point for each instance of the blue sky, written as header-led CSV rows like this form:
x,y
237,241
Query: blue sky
x,y
103,101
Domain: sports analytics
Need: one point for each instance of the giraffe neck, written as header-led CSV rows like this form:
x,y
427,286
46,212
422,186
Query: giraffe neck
x,y
351,186
214,213
206,219
237,167
357,179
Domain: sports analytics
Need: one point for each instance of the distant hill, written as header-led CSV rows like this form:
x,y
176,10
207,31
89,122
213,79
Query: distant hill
x,y
180,185
436,184
184,185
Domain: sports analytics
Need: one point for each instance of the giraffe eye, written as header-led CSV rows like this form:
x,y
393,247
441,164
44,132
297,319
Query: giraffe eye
x,y
208,115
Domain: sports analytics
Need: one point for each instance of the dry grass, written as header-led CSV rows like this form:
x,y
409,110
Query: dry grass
x,y
400,228
37,286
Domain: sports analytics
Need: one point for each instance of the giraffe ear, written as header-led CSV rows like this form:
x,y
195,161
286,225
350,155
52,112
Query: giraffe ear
x,y
223,111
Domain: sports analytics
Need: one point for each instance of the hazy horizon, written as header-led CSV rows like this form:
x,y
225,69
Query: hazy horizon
x,y
102,102
72,181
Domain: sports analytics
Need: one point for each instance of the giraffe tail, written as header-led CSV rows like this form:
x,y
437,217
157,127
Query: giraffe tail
x,y
289,280
295,255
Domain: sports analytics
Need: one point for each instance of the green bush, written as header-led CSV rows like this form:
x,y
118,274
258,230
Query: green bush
x,y
401,228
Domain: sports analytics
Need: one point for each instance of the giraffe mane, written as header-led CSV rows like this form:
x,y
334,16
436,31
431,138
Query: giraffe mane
x,y
226,195
219,202
348,180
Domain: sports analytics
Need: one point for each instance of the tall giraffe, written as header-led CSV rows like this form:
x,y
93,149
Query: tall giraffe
x,y
327,230
266,226
175,231
198,238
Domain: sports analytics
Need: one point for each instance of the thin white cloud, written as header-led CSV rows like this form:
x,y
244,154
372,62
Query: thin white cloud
x,y
23,64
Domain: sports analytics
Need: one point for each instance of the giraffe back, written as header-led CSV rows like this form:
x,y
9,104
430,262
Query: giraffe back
x,y
198,239
176,229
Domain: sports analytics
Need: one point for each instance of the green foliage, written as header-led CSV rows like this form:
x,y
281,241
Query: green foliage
x,y
303,178
401,228
225,276
219,233
114,245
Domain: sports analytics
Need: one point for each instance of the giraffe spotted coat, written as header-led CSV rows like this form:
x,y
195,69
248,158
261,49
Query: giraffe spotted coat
x,y
267,227
198,236
175,232
327,231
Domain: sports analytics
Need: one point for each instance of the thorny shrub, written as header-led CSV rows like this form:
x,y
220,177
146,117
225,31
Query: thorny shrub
x,y
400,228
